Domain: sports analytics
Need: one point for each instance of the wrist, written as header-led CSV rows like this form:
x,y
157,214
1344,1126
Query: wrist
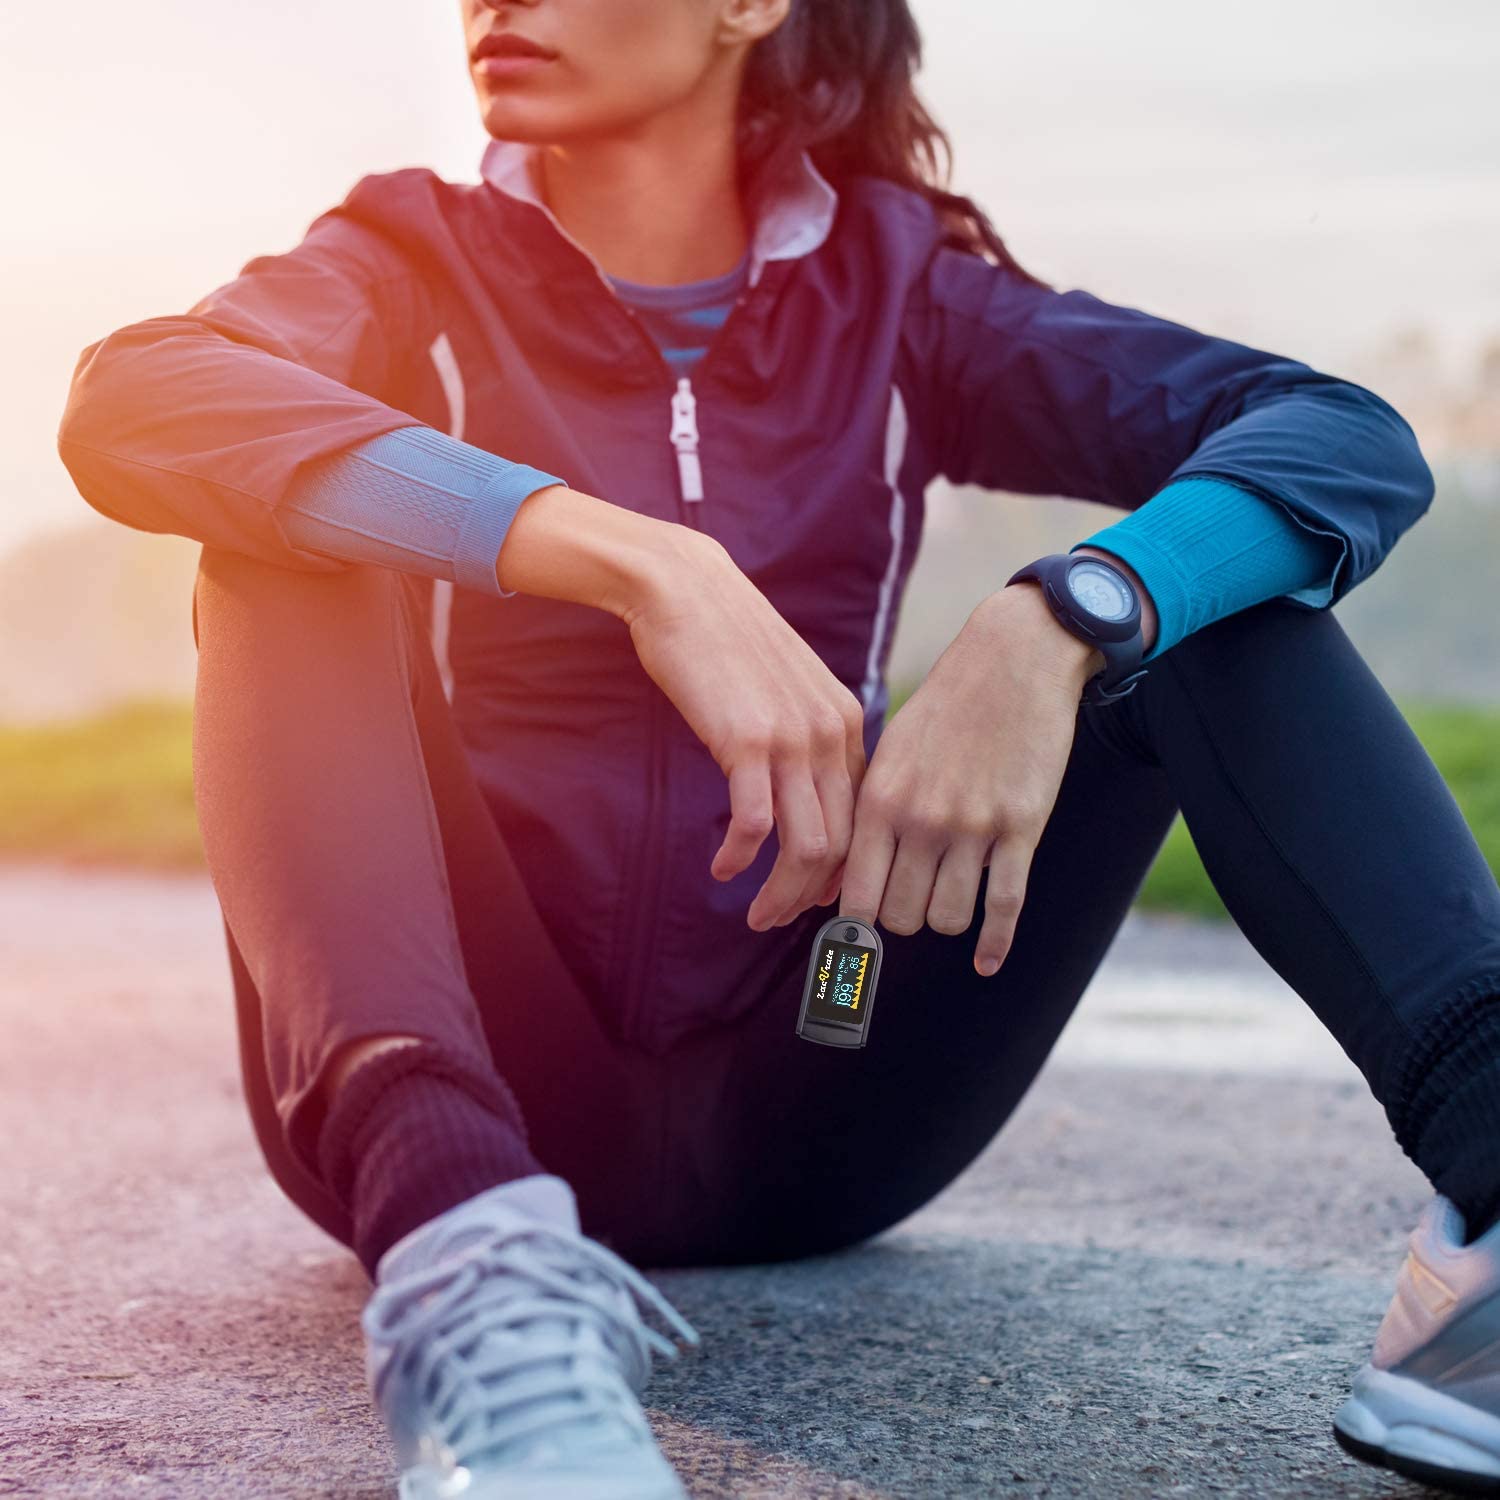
x,y
672,563
1022,606
565,544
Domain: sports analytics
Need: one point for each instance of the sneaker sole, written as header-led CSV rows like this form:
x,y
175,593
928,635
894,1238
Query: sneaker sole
x,y
1401,1424
576,1486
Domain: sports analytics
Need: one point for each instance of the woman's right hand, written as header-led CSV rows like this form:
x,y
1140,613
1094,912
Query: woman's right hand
x,y
784,730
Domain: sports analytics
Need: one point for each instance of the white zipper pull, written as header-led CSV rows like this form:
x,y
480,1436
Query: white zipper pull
x,y
685,439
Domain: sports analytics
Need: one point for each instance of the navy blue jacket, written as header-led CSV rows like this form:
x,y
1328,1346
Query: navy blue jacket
x,y
868,356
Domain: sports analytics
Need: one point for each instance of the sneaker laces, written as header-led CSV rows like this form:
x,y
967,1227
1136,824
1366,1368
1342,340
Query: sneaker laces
x,y
511,1339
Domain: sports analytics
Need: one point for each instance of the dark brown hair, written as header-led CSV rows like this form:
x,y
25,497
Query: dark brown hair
x,y
836,79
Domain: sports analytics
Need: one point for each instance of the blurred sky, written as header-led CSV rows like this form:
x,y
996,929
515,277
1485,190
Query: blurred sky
x,y
1308,176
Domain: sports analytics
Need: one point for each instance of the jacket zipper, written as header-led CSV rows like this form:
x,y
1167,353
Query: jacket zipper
x,y
683,436
642,918
641,936
683,433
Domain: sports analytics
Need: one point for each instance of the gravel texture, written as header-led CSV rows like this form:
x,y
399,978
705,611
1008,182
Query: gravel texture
x,y
1157,1280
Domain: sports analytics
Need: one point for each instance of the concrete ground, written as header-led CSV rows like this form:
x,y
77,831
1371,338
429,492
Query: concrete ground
x,y
1157,1281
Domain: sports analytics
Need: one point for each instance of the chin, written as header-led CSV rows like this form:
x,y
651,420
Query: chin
x,y
505,122
511,116
503,129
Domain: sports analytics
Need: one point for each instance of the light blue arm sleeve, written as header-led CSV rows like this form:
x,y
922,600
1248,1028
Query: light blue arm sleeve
x,y
1205,548
415,500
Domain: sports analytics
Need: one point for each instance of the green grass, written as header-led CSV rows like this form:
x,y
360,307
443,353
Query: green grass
x,y
117,789
113,789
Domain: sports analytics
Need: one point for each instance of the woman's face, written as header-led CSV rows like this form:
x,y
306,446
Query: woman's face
x,y
611,64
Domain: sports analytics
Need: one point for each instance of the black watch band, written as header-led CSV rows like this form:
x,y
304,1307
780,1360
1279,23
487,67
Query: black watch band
x,y
1117,633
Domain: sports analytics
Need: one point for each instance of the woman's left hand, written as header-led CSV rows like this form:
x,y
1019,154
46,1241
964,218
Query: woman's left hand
x,y
966,774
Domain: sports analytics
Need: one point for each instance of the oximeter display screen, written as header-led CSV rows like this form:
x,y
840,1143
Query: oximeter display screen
x,y
840,983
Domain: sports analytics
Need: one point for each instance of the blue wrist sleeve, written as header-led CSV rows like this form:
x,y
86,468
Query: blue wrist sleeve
x,y
415,500
1205,548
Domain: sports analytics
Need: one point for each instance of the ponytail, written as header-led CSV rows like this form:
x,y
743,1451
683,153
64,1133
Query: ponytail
x,y
835,79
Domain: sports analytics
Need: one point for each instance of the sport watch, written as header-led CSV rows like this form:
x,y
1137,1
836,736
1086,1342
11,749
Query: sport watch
x,y
1095,601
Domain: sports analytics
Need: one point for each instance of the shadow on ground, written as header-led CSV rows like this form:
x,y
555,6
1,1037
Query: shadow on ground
x,y
1156,1281
932,1366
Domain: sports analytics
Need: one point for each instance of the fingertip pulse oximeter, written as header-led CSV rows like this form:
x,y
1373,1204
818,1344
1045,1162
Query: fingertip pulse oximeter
x,y
840,989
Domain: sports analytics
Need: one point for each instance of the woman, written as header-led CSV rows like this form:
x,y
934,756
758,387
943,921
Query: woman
x,y
554,528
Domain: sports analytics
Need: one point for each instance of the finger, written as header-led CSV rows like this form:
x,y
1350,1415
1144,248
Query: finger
x,y
872,847
750,817
951,909
856,763
1010,863
908,890
804,849
803,840
854,756
829,891
837,801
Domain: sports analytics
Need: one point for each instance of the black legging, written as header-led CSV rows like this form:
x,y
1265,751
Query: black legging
x,y
365,885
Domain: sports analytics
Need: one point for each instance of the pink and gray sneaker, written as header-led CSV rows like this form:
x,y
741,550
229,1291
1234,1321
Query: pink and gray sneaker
x,y
505,1352
1428,1402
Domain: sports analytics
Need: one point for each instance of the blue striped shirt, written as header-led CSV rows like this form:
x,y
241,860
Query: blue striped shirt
x,y
684,318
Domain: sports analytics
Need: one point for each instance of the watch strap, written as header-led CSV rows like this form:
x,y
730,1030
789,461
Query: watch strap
x,y
1122,669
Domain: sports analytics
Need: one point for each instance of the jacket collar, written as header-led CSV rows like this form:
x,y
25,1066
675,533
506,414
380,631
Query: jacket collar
x,y
792,214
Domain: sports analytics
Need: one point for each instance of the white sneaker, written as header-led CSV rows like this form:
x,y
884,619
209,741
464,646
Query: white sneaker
x,y
1428,1402
505,1352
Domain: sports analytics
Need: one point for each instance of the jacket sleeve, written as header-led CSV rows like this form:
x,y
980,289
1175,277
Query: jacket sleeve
x,y
198,424
1024,388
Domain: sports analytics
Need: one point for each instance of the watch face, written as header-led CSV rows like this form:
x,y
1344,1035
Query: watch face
x,y
1101,591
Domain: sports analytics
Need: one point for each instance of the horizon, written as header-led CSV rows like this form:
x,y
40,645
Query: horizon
x,y
1319,200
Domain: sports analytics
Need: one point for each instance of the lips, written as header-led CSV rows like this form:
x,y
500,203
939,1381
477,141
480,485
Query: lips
x,y
510,44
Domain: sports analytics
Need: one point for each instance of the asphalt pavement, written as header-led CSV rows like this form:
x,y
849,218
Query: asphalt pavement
x,y
1156,1281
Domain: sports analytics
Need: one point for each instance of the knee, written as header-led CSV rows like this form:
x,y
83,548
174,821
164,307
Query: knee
x,y
1265,659
236,596
1273,627
227,580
